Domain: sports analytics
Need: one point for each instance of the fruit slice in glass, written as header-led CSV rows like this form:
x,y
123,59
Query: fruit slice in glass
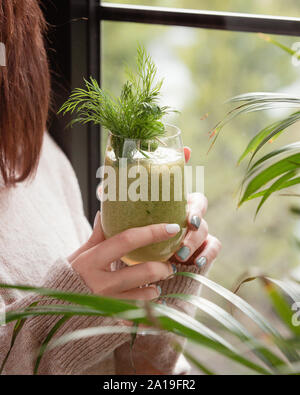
x,y
143,185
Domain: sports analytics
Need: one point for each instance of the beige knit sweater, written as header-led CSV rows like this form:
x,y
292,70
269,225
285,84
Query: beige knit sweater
x,y
42,222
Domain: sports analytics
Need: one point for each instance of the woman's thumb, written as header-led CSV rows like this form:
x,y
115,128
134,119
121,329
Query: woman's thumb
x,y
97,236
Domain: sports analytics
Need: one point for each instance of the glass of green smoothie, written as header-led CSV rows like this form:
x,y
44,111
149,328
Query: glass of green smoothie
x,y
144,180
143,185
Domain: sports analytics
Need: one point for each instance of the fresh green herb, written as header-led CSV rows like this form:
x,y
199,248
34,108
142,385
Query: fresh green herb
x,y
136,114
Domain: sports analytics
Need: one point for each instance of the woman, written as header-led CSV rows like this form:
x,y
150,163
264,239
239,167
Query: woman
x,y
45,239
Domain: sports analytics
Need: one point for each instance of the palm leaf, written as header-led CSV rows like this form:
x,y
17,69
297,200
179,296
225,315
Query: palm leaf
x,y
170,319
248,310
256,101
268,133
47,341
285,165
233,327
17,328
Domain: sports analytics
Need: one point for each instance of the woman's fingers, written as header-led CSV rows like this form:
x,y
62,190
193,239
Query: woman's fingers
x,y
145,273
96,237
209,254
192,242
145,293
117,246
197,208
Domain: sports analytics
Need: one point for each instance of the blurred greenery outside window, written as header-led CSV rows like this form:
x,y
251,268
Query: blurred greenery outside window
x,y
202,69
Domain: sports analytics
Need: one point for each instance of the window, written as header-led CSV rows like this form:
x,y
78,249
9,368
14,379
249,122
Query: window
x,y
268,7
213,65
206,57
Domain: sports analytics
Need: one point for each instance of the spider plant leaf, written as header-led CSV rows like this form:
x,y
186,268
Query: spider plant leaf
x,y
237,301
233,327
282,308
294,147
264,96
100,303
274,188
285,48
17,328
251,102
278,129
45,343
277,169
285,185
247,309
178,323
172,323
198,364
268,133
85,333
170,319
291,288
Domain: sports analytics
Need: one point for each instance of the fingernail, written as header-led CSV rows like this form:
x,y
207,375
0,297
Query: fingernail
x,y
172,228
159,291
201,262
196,221
174,267
183,253
96,219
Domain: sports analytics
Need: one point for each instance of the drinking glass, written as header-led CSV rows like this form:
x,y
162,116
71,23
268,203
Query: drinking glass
x,y
144,184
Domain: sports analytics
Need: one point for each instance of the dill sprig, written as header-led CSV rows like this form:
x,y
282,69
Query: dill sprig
x,y
135,114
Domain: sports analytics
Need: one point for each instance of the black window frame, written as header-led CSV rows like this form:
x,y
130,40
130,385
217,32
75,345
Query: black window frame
x,y
74,44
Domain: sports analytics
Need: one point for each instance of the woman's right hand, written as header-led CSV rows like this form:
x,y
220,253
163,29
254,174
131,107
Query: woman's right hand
x,y
93,262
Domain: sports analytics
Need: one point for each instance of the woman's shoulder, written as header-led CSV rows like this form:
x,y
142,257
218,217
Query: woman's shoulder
x,y
55,165
57,169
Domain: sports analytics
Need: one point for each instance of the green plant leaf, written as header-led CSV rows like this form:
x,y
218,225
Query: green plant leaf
x,y
286,49
268,133
251,102
169,319
17,328
248,310
45,343
276,169
274,188
98,331
233,327
100,303
198,364
283,309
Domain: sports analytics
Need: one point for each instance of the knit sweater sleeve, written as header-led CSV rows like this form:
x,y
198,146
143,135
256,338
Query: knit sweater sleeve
x,y
156,351
72,358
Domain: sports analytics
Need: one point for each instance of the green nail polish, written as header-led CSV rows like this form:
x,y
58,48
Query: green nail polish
x,y
196,221
174,268
159,290
183,253
201,262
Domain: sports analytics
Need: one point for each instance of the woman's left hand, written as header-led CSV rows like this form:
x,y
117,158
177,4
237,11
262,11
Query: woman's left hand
x,y
199,247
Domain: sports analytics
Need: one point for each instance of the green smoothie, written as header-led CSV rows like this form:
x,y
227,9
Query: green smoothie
x,y
153,207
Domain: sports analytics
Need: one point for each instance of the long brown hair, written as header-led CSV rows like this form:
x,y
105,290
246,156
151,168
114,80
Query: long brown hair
x,y
24,89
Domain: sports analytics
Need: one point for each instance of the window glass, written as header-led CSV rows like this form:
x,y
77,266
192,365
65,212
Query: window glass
x,y
202,69
270,7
